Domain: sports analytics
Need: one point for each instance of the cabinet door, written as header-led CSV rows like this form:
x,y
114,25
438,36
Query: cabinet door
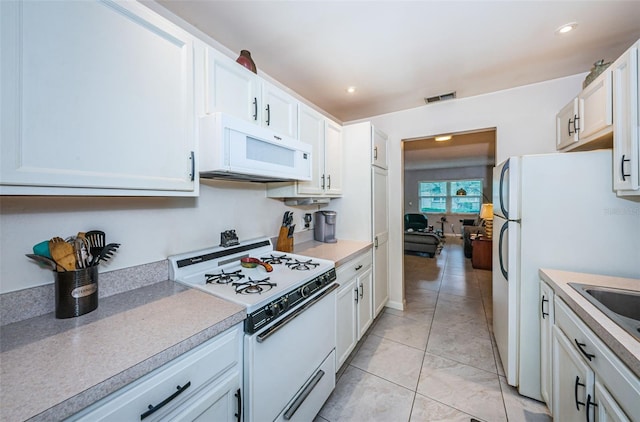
x,y
595,104
607,409
96,95
379,154
279,111
546,325
333,158
346,319
572,381
312,128
230,87
567,124
365,301
626,159
381,239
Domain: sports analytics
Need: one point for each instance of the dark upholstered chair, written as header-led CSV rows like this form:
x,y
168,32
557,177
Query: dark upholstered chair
x,y
415,222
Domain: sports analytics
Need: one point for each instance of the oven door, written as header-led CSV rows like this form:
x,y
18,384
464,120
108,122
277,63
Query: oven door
x,y
286,364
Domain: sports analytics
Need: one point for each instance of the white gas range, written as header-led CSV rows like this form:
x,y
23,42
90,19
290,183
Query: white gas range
x,y
289,344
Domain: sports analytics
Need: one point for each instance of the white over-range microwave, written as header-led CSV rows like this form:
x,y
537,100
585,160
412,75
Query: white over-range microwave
x,y
234,149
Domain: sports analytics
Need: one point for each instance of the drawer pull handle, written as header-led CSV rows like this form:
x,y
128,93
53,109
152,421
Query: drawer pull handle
x,y
303,395
584,352
358,267
589,404
542,307
153,409
575,392
239,397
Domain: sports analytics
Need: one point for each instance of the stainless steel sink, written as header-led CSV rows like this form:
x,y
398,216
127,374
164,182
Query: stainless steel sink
x,y
622,306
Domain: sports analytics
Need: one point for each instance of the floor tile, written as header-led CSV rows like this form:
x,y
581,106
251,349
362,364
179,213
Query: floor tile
x,y
462,347
390,360
403,330
360,396
463,387
428,410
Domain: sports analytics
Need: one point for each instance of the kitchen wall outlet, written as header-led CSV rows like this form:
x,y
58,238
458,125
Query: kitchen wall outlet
x,y
307,221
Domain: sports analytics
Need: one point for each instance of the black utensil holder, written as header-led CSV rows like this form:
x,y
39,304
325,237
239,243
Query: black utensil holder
x,y
76,292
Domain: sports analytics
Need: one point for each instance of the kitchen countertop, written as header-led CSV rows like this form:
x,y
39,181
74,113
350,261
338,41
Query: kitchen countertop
x,y
625,346
52,368
340,252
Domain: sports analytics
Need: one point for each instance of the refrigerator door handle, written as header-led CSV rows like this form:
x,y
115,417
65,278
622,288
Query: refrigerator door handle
x,y
503,231
505,212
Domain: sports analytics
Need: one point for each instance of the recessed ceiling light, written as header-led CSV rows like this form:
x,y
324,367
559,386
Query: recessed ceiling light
x,y
442,138
351,89
566,28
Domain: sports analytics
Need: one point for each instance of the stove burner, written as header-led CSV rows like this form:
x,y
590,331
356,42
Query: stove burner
x,y
302,265
253,286
275,260
223,278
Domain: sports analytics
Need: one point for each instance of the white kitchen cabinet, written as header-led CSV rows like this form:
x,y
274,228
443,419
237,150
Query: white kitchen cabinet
x,y
354,310
325,138
380,214
97,99
379,153
231,88
572,381
626,149
611,390
586,122
203,384
546,340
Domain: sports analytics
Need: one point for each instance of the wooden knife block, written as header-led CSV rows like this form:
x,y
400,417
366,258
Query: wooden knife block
x,y
285,243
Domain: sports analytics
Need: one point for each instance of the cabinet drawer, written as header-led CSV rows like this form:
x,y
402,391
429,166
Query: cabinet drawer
x,y
610,371
354,267
195,368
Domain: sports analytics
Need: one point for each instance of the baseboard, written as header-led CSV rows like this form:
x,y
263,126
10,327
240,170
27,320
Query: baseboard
x,y
400,306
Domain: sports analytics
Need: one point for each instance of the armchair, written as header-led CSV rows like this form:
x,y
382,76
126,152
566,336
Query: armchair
x,y
416,238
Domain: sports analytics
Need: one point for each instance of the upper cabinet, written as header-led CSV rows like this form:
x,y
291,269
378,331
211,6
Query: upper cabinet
x,y
233,89
325,137
586,122
97,99
379,153
626,158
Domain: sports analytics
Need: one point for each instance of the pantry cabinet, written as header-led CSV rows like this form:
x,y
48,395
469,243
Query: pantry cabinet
x,y
586,122
231,88
203,384
325,138
379,152
97,99
380,224
626,149
354,310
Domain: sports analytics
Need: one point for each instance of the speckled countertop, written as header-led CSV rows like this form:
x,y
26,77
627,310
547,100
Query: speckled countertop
x,y
52,368
625,346
339,252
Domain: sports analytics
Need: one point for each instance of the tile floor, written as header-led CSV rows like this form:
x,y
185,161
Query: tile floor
x,y
435,361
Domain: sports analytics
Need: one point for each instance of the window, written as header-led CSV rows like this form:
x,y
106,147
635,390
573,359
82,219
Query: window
x,y
454,196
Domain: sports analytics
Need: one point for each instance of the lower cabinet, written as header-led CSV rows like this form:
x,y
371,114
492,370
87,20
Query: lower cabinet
x,y
203,384
588,381
354,306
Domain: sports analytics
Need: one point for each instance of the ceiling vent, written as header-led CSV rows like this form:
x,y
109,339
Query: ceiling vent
x,y
449,96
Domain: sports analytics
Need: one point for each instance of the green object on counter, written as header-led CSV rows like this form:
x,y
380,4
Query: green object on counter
x,y
42,249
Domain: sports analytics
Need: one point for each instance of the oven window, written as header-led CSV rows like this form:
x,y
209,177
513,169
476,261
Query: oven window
x,y
259,150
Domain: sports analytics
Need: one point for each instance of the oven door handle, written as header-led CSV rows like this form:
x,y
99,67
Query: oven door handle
x,y
284,321
303,396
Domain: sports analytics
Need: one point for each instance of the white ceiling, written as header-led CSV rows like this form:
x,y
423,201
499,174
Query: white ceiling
x,y
398,52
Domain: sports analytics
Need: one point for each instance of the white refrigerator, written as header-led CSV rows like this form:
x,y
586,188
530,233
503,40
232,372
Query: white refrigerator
x,y
552,211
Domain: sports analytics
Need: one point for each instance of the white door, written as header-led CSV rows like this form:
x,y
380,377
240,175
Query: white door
x,y
312,132
381,239
546,325
595,105
346,318
279,111
333,158
365,301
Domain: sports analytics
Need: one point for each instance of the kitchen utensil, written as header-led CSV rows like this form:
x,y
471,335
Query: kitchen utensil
x,y
42,249
106,253
62,253
291,230
81,249
249,262
97,240
47,262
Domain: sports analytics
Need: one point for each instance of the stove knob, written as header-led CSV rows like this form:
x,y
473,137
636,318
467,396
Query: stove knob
x,y
272,310
304,291
319,281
